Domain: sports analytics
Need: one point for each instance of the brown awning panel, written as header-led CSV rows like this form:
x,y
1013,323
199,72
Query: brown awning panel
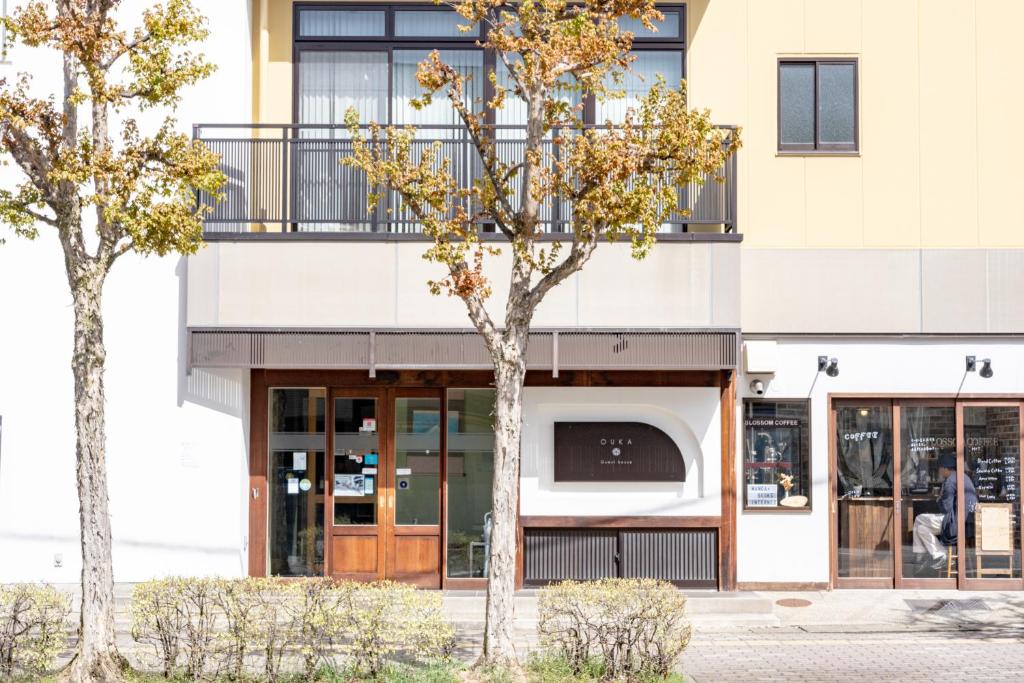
x,y
395,349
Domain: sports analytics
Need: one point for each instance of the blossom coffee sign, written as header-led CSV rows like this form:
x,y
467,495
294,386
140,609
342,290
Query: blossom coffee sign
x,y
616,451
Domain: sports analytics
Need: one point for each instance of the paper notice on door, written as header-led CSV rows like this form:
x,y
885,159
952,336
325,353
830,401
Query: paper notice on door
x,y
368,486
348,484
369,470
293,486
403,471
299,461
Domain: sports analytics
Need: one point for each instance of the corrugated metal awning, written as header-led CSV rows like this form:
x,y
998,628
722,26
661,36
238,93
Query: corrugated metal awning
x,y
461,349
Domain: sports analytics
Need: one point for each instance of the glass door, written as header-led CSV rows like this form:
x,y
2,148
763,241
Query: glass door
x,y
296,482
988,503
357,511
926,457
414,496
863,511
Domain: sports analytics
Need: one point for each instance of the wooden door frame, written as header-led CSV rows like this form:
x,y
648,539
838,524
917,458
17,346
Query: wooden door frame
x,y
961,460
834,402
958,402
262,380
915,583
380,528
394,529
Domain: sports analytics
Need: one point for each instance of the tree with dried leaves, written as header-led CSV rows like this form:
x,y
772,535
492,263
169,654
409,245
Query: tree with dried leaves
x,y
618,181
89,173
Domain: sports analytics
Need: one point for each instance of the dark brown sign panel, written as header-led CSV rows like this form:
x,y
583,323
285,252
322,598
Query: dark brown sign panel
x,y
615,451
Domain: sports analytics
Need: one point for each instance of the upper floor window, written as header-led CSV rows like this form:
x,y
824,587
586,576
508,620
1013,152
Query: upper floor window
x,y
818,105
366,58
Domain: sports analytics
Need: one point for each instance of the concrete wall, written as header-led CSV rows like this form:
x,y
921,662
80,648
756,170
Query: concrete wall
x,y
356,284
691,416
176,444
883,291
794,546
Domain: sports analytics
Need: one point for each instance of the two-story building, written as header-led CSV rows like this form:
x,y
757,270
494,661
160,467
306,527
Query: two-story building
x,y
773,398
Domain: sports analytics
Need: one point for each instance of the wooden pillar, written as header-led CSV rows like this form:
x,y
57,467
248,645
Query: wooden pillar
x,y
727,530
257,473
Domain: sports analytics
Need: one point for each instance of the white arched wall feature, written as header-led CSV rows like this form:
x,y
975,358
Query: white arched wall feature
x,y
691,416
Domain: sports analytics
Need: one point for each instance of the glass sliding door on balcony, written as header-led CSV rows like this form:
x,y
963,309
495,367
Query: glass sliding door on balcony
x,y
287,177
327,195
436,122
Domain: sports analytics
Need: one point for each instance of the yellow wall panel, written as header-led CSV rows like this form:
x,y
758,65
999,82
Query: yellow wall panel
x,y
1000,72
832,26
834,202
939,106
948,120
889,114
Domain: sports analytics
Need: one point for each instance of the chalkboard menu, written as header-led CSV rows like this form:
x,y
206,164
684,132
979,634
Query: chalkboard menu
x,y
995,470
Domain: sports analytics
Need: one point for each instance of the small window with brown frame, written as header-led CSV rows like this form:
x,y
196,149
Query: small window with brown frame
x,y
818,106
776,455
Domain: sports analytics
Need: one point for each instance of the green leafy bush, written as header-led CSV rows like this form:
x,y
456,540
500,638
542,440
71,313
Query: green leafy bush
x,y
629,629
33,628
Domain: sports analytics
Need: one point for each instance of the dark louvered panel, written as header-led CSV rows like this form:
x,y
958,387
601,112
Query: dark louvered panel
x,y
685,555
559,554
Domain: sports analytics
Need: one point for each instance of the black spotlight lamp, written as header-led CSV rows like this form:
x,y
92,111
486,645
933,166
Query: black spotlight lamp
x,y
986,366
830,366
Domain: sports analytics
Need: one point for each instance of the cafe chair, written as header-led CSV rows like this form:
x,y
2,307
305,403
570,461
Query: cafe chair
x,y
951,558
993,537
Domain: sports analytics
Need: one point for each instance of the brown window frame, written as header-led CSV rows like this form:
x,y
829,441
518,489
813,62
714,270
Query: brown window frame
x,y
818,147
806,466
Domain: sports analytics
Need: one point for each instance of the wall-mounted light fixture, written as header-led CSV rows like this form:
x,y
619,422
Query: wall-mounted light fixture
x,y
986,366
830,366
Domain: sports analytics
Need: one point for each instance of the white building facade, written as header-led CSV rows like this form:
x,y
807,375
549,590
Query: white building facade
x,y
767,401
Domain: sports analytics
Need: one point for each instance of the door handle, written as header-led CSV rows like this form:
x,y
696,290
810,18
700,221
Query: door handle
x,y
255,493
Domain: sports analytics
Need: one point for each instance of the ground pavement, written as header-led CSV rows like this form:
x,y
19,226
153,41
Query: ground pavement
x,y
836,636
843,635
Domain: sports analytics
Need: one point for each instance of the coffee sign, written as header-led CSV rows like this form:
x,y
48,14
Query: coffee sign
x,y
616,451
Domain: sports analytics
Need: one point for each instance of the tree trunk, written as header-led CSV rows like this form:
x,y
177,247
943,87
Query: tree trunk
x,y
96,658
509,375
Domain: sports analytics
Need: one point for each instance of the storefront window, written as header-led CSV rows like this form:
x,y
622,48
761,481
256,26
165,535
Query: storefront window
x,y
470,473
776,462
992,469
296,481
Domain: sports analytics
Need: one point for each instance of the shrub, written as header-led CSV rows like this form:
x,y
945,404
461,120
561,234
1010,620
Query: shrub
x,y
313,607
178,617
33,628
633,629
157,620
240,602
383,619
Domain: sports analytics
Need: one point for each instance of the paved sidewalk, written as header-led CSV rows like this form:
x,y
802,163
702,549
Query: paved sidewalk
x,y
834,636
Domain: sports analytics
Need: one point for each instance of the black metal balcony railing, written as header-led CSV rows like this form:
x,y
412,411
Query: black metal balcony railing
x,y
288,179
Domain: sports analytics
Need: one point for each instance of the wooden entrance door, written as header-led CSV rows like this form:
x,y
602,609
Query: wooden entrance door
x,y
385,475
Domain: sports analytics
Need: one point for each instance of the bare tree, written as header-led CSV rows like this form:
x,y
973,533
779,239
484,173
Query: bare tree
x,y
619,181
104,194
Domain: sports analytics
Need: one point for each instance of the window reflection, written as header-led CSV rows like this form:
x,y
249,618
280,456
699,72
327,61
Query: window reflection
x,y
470,473
296,481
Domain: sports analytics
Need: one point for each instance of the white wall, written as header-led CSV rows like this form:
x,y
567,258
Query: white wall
x,y
691,416
176,444
794,547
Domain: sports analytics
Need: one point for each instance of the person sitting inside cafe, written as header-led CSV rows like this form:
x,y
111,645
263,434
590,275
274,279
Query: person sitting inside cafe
x,y
933,532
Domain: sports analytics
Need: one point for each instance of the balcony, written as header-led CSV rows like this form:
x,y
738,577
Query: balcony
x,y
285,181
